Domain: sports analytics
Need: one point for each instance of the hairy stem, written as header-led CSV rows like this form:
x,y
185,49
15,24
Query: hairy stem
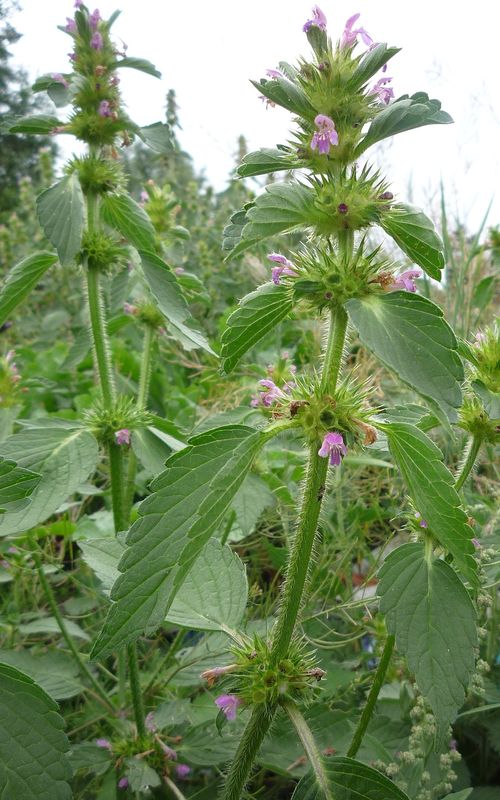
x,y
49,594
372,697
142,400
313,754
247,751
469,462
334,350
135,688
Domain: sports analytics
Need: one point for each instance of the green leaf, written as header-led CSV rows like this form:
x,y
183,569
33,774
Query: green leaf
x,y
463,795
21,279
33,746
37,124
282,207
141,64
431,615
157,137
233,230
189,500
431,487
414,233
258,313
171,302
286,94
267,160
16,485
249,503
489,399
404,114
409,334
140,775
61,215
50,626
370,63
152,450
214,595
63,456
121,212
103,557
56,673
484,292
348,779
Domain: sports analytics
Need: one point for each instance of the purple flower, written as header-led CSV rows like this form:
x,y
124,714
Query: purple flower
x,y
318,20
421,522
349,35
122,436
452,744
285,267
96,41
105,109
78,3
70,25
129,309
56,76
123,783
383,92
211,675
273,393
182,771
405,280
13,549
104,743
144,196
168,751
476,543
479,339
269,103
325,136
95,19
333,446
274,73
149,722
228,703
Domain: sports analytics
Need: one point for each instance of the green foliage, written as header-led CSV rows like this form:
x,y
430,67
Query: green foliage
x,y
430,613
431,487
267,161
33,763
258,314
409,335
140,64
415,235
61,215
21,280
348,778
16,485
206,476
126,216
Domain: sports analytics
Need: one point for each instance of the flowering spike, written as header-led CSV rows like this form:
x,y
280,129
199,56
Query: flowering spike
x,y
350,36
96,41
325,136
333,446
122,436
105,109
285,267
228,703
318,20
383,92
405,280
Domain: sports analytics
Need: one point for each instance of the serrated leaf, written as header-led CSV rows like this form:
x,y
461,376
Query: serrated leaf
x,y
56,673
103,557
21,279
414,233
140,64
282,207
348,779
233,230
64,457
431,487
33,746
431,615
61,214
121,212
16,485
171,302
489,399
157,137
258,313
188,501
214,595
370,63
36,124
286,94
261,162
249,503
409,334
140,775
404,114
50,625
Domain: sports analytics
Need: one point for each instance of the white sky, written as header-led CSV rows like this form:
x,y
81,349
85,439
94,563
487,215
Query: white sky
x,y
207,51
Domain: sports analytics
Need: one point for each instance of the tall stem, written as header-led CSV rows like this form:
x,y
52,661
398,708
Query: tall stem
x,y
49,594
135,688
142,401
372,697
468,463
247,751
311,749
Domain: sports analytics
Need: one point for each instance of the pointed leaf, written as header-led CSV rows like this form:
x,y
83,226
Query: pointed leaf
x,y
167,293
33,746
414,233
431,487
16,485
140,64
267,160
37,124
157,137
259,312
404,114
189,500
55,673
286,94
370,63
21,279
409,334
61,215
64,457
348,779
431,615
121,212
214,595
